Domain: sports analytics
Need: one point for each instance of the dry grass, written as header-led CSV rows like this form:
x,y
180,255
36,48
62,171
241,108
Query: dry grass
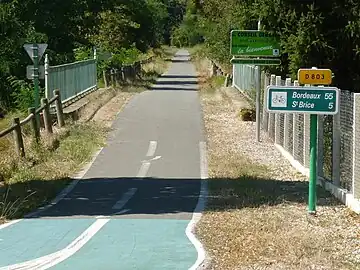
x,y
256,215
38,178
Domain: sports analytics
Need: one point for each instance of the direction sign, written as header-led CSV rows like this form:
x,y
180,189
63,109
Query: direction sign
x,y
254,43
254,61
30,72
314,100
315,76
41,49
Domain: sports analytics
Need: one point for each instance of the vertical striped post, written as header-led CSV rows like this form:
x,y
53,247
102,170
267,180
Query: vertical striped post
x,y
277,116
296,122
271,127
265,113
287,118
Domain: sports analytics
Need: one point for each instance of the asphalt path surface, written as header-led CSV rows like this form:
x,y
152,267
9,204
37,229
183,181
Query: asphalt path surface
x,y
133,205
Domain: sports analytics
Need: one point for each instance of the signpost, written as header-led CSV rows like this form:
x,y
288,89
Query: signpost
x,y
310,100
315,76
30,72
314,100
255,61
247,46
35,51
254,43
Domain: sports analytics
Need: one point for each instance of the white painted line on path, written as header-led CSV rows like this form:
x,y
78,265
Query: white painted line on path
x,y
124,199
52,259
190,229
3,226
143,169
152,149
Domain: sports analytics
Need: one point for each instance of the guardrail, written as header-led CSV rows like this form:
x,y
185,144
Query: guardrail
x,y
16,127
73,80
78,79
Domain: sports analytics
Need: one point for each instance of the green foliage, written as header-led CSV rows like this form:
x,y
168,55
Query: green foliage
x,y
124,57
188,33
23,93
83,53
72,28
325,34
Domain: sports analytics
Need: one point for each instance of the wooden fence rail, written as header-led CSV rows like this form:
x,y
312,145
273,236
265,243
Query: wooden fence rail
x,y
124,74
32,118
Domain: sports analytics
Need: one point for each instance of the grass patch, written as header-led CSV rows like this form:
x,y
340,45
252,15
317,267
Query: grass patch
x,y
37,179
6,142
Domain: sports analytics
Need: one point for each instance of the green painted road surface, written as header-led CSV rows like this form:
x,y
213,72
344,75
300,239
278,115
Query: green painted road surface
x,y
137,204
163,246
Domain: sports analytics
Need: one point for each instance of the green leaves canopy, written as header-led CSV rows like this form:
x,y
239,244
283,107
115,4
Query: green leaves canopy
x,y
72,27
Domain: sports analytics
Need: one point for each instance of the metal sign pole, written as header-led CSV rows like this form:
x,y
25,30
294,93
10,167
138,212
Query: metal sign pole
x,y
258,92
313,164
307,99
36,74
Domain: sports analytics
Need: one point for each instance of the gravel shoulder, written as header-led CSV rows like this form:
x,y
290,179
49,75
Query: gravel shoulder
x,y
256,216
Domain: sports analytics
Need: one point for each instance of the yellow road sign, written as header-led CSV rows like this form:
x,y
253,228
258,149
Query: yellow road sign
x,y
315,76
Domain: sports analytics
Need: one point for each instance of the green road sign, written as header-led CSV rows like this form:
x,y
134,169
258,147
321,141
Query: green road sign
x,y
254,61
254,43
314,100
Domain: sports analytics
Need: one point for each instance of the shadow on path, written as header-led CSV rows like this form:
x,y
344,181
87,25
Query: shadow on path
x,y
159,197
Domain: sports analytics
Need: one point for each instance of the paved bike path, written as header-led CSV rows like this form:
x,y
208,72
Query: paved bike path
x,y
132,207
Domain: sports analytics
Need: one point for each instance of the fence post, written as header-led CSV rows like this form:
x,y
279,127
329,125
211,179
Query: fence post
x,y
112,74
233,75
320,142
277,116
296,122
106,82
265,113
287,119
356,148
306,140
59,108
336,150
34,124
271,127
46,115
19,143
116,81
46,75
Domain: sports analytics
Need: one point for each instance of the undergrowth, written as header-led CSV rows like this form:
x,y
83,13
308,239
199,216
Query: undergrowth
x,y
34,180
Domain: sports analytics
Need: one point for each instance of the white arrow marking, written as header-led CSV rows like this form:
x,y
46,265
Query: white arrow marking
x,y
152,148
143,169
124,199
122,212
153,159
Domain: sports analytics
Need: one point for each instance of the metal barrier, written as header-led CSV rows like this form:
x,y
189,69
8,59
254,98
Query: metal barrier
x,y
72,79
244,78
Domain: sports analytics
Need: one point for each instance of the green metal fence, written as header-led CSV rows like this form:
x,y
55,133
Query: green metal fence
x,y
71,79
244,79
